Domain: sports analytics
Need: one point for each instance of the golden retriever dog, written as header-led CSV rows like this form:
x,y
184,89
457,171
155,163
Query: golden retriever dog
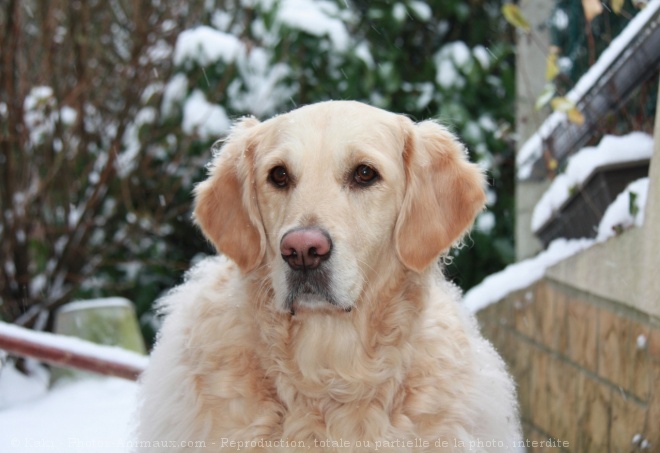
x,y
327,325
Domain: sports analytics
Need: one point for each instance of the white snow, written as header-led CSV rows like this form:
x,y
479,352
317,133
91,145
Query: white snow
x,y
106,302
560,19
68,115
126,161
363,53
315,18
203,118
205,45
39,116
89,415
611,150
446,74
460,53
399,12
618,215
485,222
76,345
641,341
421,10
75,213
522,274
531,150
159,51
86,416
174,93
260,90
451,58
16,388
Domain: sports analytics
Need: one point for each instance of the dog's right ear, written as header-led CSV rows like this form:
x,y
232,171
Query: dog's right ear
x,y
225,204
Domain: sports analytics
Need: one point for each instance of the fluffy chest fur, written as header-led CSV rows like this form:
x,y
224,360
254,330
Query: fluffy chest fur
x,y
367,377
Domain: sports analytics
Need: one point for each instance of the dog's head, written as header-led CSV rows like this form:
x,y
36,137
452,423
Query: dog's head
x,y
333,195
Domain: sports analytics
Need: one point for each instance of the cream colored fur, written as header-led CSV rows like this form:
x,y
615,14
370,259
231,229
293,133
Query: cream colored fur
x,y
395,364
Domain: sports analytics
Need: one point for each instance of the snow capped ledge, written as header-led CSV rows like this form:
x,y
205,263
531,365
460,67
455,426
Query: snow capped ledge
x,y
520,275
106,302
72,352
610,74
612,150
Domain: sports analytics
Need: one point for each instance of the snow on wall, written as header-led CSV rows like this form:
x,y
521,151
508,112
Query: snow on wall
x,y
531,150
520,275
618,215
611,150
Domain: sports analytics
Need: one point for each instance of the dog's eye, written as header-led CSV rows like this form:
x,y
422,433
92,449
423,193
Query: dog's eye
x,y
365,175
279,177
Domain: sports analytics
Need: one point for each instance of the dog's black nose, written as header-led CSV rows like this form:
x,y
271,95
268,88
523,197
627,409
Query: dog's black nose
x,y
305,248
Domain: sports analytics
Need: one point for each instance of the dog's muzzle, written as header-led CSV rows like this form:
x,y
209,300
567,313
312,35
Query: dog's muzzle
x,y
305,250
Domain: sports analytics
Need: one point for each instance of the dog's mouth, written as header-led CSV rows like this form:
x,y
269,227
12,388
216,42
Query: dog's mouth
x,y
310,290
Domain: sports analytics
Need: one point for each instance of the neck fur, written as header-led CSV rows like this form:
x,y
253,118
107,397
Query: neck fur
x,y
346,355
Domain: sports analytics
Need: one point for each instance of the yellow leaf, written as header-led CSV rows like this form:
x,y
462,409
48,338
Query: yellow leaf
x,y
617,5
561,105
592,8
575,116
553,164
514,16
568,107
551,67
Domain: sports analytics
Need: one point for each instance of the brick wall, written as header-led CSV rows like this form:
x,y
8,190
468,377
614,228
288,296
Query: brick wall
x,y
588,370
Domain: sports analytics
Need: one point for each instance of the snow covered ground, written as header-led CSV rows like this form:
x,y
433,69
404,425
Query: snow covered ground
x,y
87,416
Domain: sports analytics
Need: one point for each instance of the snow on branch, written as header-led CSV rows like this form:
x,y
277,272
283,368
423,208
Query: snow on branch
x,y
71,352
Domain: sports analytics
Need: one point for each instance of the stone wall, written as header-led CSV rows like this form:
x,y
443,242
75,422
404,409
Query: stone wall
x,y
587,368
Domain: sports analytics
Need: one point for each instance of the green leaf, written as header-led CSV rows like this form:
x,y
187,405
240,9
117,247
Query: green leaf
x,y
633,209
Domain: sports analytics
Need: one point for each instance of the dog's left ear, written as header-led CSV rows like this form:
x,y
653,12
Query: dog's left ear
x,y
225,204
444,193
